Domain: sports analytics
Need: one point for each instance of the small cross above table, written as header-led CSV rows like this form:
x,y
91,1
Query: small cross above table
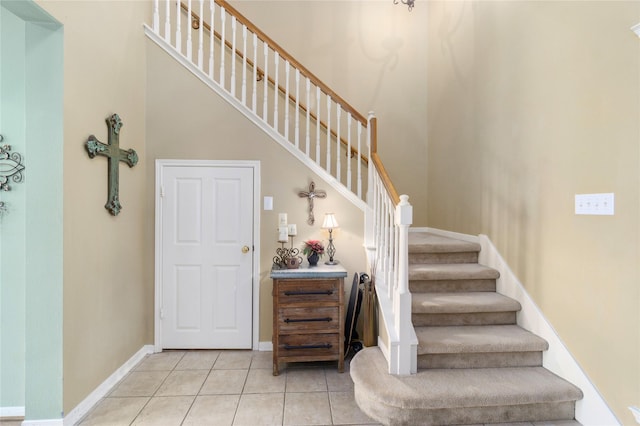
x,y
310,195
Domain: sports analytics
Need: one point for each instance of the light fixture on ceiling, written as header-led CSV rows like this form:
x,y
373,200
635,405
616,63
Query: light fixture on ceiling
x,y
409,3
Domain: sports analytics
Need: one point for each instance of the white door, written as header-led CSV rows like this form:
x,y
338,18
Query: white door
x,y
207,257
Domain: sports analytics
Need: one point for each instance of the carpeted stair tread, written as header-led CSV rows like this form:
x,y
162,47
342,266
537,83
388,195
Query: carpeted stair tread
x,y
454,303
445,388
425,242
466,271
477,339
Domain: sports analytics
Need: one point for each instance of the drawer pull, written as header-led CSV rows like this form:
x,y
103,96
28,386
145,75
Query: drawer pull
x,y
304,293
326,319
320,346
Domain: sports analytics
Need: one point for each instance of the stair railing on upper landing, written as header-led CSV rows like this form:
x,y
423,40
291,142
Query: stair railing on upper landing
x,y
271,88
229,53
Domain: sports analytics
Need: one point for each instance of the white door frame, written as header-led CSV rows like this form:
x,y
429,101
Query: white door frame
x,y
255,165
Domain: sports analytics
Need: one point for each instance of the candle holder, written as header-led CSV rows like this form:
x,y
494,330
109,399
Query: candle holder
x,y
287,258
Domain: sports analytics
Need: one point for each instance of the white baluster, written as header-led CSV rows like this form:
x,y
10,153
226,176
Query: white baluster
x,y
189,39
223,18
233,55
201,36
297,110
349,151
308,129
156,17
317,125
178,29
212,9
328,165
254,96
385,237
244,65
359,159
275,91
265,81
338,171
167,22
286,101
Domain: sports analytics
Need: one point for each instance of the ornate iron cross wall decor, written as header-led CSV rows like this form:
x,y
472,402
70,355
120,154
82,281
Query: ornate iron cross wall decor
x,y
114,154
310,195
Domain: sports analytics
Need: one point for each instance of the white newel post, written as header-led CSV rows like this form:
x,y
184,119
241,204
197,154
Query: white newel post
x,y
402,301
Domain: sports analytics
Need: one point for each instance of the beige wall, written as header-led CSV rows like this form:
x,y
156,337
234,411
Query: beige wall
x,y
107,312
530,103
187,120
373,54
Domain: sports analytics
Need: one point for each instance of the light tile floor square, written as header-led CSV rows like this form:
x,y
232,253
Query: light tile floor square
x,y
224,382
140,383
309,408
313,380
183,382
164,411
198,360
259,409
212,410
263,381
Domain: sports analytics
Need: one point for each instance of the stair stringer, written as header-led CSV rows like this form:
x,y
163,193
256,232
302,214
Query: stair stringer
x,y
592,409
255,119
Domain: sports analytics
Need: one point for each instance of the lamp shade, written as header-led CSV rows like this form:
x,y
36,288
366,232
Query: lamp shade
x,y
330,221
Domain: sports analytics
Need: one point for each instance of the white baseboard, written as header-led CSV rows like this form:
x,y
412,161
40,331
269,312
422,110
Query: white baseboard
x,y
6,412
49,422
590,410
265,346
83,408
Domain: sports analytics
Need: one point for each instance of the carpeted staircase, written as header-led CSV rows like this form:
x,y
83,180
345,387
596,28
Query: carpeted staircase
x,y
475,365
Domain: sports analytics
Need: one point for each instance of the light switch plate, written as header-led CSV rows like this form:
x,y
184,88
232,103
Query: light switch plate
x,y
595,204
268,203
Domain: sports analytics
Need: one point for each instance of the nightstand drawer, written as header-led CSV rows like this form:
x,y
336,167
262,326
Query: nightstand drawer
x,y
308,291
309,345
308,320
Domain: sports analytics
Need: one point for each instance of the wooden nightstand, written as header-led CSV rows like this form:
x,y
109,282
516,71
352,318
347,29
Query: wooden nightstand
x,y
308,315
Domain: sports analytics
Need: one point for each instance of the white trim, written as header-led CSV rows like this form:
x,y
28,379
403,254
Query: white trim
x,y
255,165
46,422
101,391
315,167
6,412
636,29
450,234
265,347
636,410
590,410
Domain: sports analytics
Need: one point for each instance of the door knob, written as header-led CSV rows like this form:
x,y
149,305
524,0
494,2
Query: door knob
x,y
245,249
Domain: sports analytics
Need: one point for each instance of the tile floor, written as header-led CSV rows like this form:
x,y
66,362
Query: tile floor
x,y
202,388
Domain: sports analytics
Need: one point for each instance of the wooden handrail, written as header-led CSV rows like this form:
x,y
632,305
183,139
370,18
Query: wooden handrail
x,y
195,23
377,162
315,80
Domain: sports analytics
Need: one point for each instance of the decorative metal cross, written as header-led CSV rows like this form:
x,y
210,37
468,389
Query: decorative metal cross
x,y
114,154
310,195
